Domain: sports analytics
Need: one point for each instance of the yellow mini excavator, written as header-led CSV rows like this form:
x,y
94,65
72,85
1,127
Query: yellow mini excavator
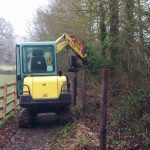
x,y
40,86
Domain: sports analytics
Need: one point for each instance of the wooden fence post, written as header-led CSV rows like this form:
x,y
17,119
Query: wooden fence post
x,y
105,77
84,90
73,88
15,101
4,103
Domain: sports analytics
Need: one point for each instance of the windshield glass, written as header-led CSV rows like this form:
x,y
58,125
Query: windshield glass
x,y
38,59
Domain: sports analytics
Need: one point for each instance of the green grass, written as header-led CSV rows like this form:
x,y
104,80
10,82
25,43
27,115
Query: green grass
x,y
4,79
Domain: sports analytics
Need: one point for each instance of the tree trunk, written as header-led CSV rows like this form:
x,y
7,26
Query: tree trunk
x,y
114,30
103,32
129,12
141,37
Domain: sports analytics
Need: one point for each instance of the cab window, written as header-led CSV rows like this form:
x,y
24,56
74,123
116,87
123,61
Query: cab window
x,y
38,59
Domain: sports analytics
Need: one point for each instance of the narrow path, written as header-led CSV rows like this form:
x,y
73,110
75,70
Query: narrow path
x,y
36,137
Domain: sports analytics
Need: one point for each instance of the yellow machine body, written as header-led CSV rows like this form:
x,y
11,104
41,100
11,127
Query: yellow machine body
x,y
45,87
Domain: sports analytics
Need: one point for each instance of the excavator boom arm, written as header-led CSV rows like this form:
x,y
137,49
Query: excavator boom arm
x,y
66,40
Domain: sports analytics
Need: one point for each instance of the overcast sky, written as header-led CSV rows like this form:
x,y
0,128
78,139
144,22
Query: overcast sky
x,y
19,13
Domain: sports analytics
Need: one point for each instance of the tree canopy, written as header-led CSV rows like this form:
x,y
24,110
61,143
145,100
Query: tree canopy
x,y
7,42
117,30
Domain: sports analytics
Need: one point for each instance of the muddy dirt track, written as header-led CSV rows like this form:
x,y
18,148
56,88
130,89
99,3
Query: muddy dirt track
x,y
36,137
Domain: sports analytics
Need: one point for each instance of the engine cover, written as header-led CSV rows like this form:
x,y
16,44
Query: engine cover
x,y
44,87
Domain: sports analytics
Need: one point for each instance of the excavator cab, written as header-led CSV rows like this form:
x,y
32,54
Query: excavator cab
x,y
40,87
